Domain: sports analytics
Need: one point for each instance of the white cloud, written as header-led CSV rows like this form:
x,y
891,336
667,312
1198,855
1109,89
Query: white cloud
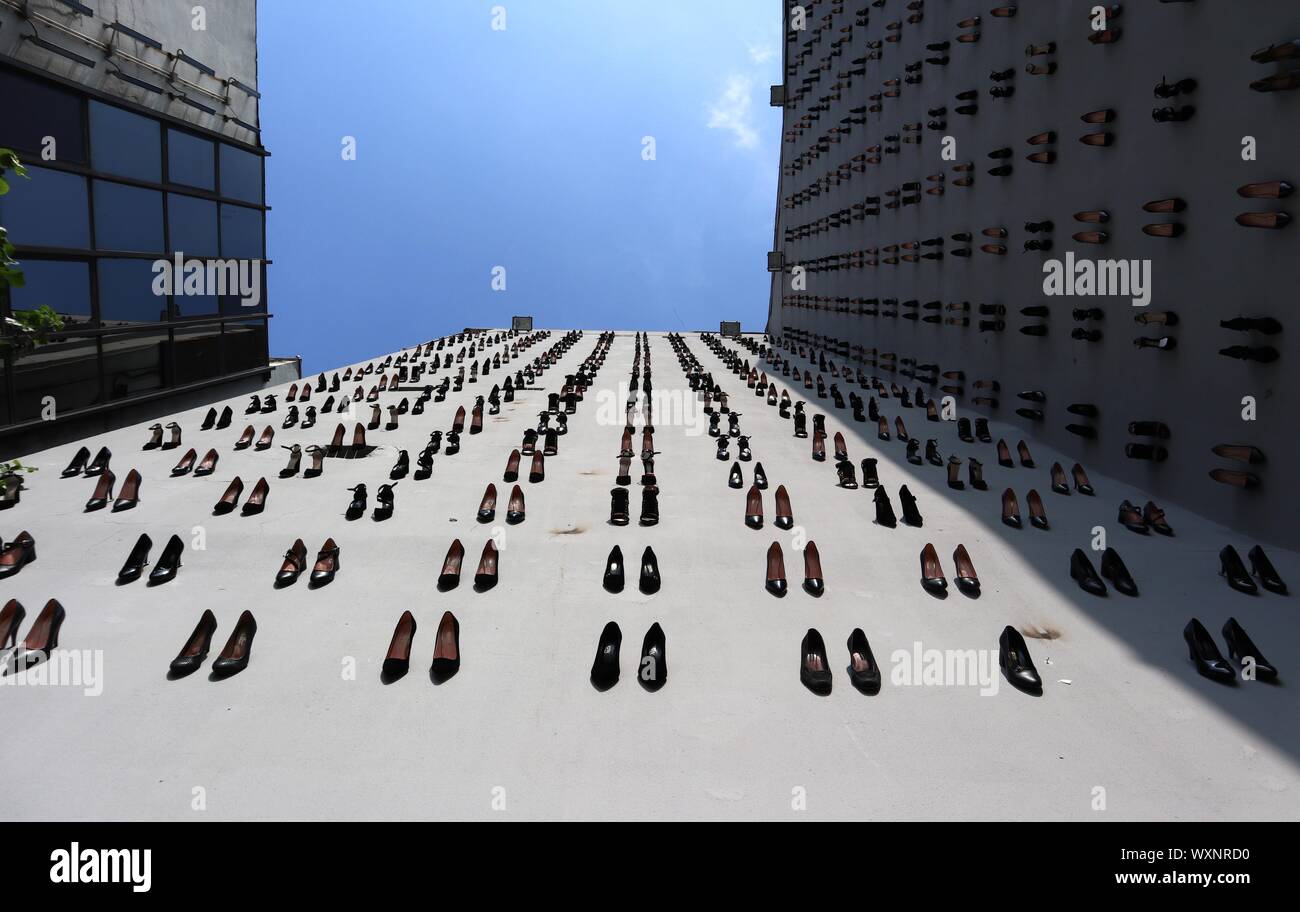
x,y
733,110
761,54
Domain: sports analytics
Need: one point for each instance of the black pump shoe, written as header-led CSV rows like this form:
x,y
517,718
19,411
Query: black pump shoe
x,y
615,575
1262,567
358,505
239,648
864,673
760,477
78,463
1246,655
1081,570
911,515
1205,655
605,670
384,502
814,666
653,670
735,479
1234,571
195,651
168,562
650,579
1113,569
870,474
884,510
135,561
1017,665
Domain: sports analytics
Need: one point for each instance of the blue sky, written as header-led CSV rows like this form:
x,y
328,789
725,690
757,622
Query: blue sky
x,y
519,148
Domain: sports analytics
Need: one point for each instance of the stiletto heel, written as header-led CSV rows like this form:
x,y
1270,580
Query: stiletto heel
x,y
398,660
103,492
135,561
207,465
295,461
239,648
186,465
487,508
100,464
486,576
42,638
129,496
11,617
256,501
449,578
78,463
317,462
168,562
230,499
446,650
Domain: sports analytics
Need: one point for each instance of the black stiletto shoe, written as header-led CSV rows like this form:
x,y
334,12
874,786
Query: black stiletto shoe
x,y
650,580
401,467
446,650
1246,655
103,492
135,561
239,648
814,667
78,463
384,502
17,554
615,575
760,477
100,463
295,461
169,562
209,420
653,670
42,638
870,474
195,651
884,510
1262,567
358,505
1113,569
1082,572
227,416
398,660
1017,665
864,673
1205,655
1234,571
736,478
911,515
605,670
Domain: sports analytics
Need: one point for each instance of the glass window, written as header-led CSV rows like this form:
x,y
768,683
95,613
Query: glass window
x,y
128,218
191,225
187,305
63,285
191,160
48,209
241,232
245,346
126,293
66,369
234,305
197,352
125,143
133,364
36,110
241,174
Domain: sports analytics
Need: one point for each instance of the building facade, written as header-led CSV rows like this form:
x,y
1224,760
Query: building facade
x,y
138,126
950,176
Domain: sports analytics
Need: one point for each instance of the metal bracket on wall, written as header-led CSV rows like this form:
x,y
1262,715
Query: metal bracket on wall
x,y
78,7
36,39
139,83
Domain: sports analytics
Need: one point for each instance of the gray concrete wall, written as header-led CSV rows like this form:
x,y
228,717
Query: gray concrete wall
x,y
1216,271
228,45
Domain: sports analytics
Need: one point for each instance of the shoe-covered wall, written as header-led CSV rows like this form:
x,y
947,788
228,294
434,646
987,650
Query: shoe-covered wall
x,y
1085,204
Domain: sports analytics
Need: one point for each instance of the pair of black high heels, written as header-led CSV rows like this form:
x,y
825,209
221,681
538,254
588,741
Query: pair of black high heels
x,y
616,576
1210,662
385,500
169,562
232,659
212,421
446,650
156,437
42,637
736,478
82,464
815,667
885,509
652,670
1234,571
1112,568
619,510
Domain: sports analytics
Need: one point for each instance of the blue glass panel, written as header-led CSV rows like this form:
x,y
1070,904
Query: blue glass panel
x,y
241,174
191,160
126,293
128,218
191,225
125,143
63,285
49,209
241,232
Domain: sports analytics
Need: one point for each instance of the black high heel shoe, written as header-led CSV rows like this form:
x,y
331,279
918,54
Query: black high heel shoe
x,y
1113,569
605,670
168,562
1205,655
650,580
760,476
864,673
295,461
317,466
1244,653
17,554
239,648
103,492
653,670
1262,567
1016,663
42,638
78,463
209,420
155,437
358,505
11,618
884,510
401,467
446,650
911,515
135,561
175,439
847,475
649,506
814,667
398,660
195,651
100,464
615,575
1234,571
870,474
385,501
618,507
326,566
1082,572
